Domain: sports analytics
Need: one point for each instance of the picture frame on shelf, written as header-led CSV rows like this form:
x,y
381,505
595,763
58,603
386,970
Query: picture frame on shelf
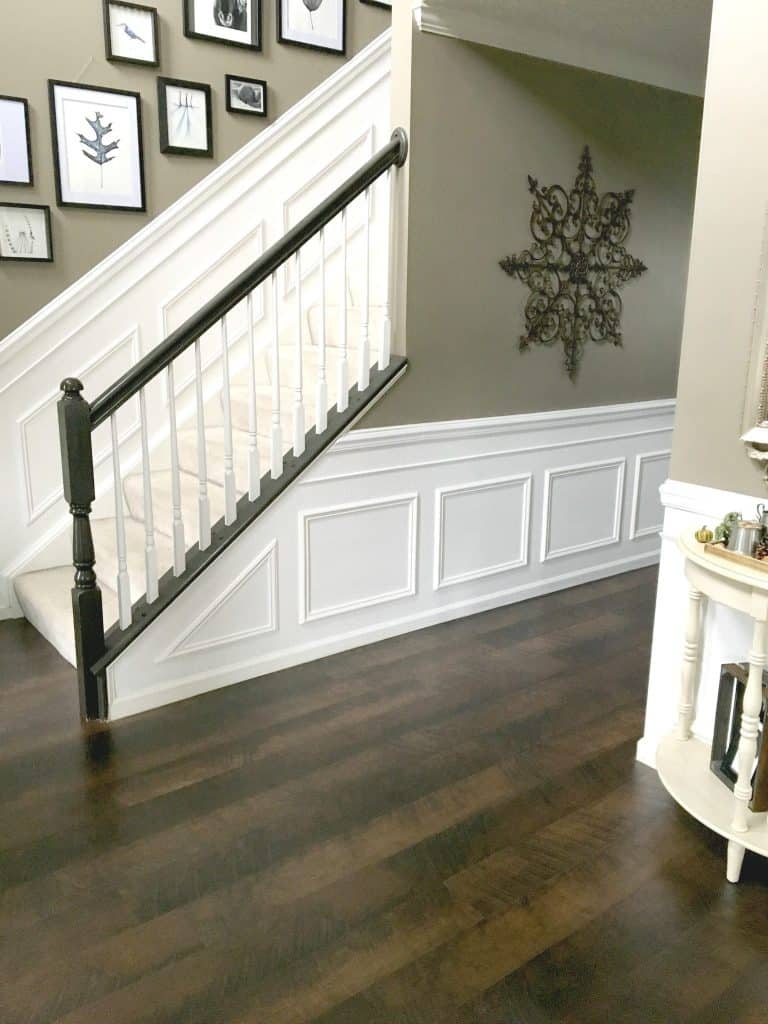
x,y
246,95
98,150
314,24
15,142
233,22
185,112
727,732
131,33
25,233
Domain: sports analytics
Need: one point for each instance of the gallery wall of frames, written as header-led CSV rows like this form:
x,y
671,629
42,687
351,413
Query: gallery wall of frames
x,y
99,134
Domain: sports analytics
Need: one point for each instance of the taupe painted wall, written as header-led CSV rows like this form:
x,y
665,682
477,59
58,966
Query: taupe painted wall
x,y
482,120
66,41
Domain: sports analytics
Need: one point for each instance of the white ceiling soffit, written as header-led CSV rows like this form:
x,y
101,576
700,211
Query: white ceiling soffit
x,y
661,42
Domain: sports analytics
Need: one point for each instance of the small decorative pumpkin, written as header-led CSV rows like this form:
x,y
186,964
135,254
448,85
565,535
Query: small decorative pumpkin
x,y
704,535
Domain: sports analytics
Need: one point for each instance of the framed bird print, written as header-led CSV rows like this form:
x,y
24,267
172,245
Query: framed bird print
x,y
97,147
317,24
186,120
15,144
25,233
236,22
131,33
246,95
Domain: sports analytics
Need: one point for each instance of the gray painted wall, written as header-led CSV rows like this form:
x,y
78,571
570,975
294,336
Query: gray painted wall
x,y
67,42
482,120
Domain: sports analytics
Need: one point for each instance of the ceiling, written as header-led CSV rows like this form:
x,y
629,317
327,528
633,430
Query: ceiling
x,y
661,42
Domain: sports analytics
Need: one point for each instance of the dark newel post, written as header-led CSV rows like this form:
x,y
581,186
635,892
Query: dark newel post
x,y
77,467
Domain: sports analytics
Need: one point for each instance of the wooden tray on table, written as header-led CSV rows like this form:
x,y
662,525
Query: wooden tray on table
x,y
733,556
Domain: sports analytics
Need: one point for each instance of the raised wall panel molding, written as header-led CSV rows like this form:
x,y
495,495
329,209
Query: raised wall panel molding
x,y
211,628
640,497
348,562
45,459
490,527
580,507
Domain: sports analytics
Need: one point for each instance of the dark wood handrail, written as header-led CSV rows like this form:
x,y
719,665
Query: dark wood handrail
x,y
125,387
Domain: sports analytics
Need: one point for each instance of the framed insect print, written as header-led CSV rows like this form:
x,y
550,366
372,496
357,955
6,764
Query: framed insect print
x,y
236,22
15,143
25,233
131,33
317,24
186,119
246,95
97,147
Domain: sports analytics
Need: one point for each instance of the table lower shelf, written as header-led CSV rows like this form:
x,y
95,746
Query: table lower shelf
x,y
683,767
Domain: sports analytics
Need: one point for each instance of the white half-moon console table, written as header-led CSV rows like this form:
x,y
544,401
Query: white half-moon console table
x,y
683,762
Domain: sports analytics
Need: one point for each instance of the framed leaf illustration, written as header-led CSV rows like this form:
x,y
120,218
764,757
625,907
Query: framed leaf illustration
x,y
97,147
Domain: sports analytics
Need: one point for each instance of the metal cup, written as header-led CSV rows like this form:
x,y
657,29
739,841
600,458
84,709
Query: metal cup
x,y
744,538
762,516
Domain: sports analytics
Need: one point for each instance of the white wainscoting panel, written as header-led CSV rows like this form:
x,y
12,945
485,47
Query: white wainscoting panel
x,y
583,506
651,470
482,529
398,528
374,545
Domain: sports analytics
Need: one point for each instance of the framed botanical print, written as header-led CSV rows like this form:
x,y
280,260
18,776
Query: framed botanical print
x,y
186,120
318,24
97,147
131,33
15,143
236,22
25,233
246,95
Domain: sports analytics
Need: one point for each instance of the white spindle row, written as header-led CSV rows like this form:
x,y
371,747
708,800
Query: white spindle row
x,y
298,414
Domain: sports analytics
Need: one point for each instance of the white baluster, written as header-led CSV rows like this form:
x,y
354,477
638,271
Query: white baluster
x,y
179,545
230,498
150,551
277,432
342,397
254,469
385,343
203,502
750,728
299,427
123,582
685,707
321,418
364,372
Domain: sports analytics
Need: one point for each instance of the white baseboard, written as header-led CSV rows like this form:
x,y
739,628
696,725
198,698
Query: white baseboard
x,y
397,529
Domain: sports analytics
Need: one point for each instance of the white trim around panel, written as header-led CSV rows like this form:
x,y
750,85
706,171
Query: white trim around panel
x,y
548,554
37,509
640,460
441,493
306,613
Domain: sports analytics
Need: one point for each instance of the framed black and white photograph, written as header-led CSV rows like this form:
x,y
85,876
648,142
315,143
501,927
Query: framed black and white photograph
x,y
97,147
378,3
186,120
317,24
236,22
25,233
15,143
131,33
246,95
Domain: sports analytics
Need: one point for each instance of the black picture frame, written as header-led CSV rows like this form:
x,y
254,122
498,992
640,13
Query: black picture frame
x,y
25,105
49,234
282,38
113,57
141,207
249,112
727,732
166,145
378,3
193,31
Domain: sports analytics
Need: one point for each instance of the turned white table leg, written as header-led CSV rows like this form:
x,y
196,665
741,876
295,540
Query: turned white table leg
x,y
690,665
750,721
735,860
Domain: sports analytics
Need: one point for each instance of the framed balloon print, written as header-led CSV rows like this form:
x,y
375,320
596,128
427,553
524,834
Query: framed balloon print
x,y
317,24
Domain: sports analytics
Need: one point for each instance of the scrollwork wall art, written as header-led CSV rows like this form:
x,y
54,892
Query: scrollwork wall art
x,y
576,266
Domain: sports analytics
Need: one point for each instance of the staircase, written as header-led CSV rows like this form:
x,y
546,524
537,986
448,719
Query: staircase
x,y
203,482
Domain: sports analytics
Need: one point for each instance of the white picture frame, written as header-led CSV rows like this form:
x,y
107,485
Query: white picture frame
x,y
97,147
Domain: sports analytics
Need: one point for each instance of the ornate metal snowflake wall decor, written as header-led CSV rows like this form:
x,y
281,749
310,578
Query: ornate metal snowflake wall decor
x,y
576,265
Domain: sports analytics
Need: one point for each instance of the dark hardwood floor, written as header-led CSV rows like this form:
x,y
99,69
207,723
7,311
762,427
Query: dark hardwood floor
x,y
444,828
